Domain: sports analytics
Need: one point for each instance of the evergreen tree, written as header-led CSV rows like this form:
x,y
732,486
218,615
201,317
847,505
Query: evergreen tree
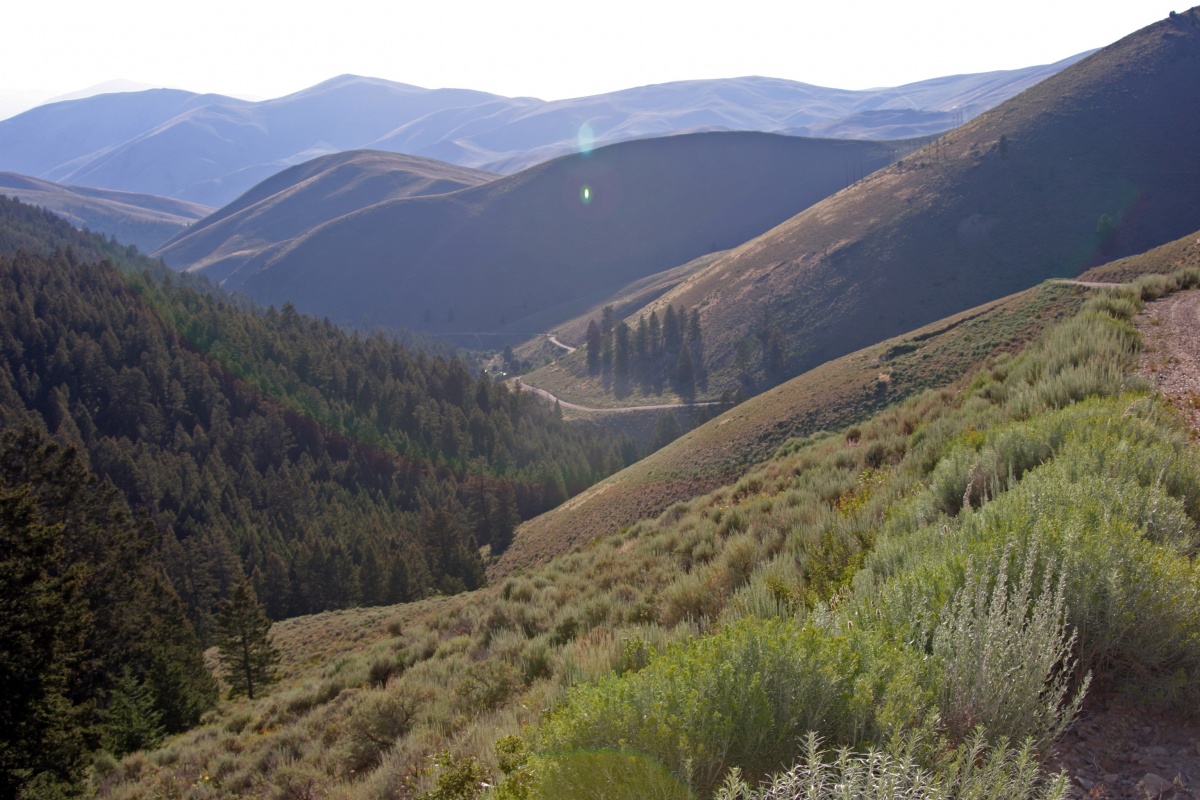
x,y
672,333
132,720
641,341
594,345
666,430
693,330
685,372
243,638
607,321
507,517
622,355
43,617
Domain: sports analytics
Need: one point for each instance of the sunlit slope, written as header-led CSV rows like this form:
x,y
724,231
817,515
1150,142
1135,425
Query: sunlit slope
x,y
1179,254
143,220
305,196
828,397
1096,162
493,257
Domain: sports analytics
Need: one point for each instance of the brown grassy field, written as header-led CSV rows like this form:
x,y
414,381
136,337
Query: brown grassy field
x,y
1176,255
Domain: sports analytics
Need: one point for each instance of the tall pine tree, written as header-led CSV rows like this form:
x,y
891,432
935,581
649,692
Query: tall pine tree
x,y
243,638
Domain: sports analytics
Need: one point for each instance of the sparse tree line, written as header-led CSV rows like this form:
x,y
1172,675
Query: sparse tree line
x,y
652,355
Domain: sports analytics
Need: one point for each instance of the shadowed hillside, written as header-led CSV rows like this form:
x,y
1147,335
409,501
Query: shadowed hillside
x,y
306,196
143,220
546,240
1097,162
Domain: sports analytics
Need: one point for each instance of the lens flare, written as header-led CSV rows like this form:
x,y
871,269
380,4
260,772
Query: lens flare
x,y
585,194
586,138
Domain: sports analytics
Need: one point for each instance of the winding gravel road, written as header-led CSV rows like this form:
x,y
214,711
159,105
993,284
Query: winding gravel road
x,y
577,407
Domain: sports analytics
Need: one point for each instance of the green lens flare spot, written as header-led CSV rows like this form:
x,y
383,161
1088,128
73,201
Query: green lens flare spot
x,y
585,138
585,195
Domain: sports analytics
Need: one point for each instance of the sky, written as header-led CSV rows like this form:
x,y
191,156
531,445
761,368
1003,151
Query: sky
x,y
569,48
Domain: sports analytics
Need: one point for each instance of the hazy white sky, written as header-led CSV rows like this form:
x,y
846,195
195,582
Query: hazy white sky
x,y
567,48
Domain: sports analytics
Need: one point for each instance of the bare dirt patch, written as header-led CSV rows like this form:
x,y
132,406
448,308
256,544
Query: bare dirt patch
x,y
1171,330
1122,751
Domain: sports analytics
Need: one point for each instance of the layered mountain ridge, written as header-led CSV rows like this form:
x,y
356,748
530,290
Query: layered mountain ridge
x,y
210,148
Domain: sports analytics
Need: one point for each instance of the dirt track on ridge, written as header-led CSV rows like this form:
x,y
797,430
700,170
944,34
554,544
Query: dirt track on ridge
x,y
1118,750
1171,330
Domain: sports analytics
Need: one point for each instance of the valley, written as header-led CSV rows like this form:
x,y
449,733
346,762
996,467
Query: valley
x,y
723,439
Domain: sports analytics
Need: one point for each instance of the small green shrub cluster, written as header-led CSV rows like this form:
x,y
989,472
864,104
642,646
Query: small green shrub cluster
x,y
744,696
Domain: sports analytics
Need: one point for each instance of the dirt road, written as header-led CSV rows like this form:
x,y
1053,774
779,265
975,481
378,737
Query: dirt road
x,y
1089,284
577,407
1171,330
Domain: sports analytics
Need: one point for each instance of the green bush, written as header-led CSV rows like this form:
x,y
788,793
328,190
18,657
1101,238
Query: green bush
x,y
1005,657
457,779
376,724
743,696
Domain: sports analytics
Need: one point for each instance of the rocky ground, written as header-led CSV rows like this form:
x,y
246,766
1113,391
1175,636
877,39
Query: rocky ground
x,y
1171,330
1119,749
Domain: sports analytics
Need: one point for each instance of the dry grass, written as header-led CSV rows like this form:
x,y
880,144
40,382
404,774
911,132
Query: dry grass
x,y
831,396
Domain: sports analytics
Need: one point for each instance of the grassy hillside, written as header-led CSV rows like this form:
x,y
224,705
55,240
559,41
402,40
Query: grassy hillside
x,y
145,221
833,395
304,197
844,587
1096,162
1168,258
544,243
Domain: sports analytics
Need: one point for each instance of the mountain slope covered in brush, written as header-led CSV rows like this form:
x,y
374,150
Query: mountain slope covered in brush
x,y
909,596
145,221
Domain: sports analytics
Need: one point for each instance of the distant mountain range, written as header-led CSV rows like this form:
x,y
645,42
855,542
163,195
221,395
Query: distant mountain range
x,y
138,219
210,149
